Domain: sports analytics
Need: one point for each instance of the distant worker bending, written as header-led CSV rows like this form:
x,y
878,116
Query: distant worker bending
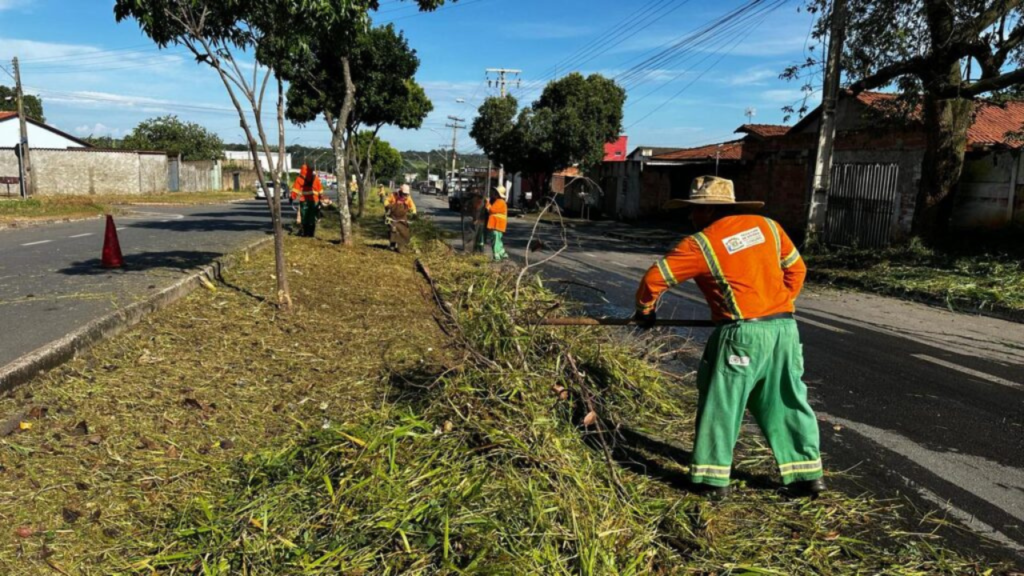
x,y
750,273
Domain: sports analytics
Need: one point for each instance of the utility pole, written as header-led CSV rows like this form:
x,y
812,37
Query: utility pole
x,y
27,188
455,126
502,81
827,130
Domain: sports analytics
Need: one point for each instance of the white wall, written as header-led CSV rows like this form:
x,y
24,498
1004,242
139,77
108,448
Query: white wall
x,y
10,134
244,157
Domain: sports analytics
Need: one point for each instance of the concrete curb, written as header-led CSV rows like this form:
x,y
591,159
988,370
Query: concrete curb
x,y
59,351
22,224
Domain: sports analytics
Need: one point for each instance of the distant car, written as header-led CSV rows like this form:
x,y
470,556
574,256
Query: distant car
x,y
261,193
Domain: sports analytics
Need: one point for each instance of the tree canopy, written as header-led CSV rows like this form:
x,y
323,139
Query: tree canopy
x,y
171,135
382,67
33,104
568,125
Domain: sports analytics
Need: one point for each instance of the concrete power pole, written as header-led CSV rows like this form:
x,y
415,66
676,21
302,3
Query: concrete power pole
x,y
827,130
502,81
455,126
27,188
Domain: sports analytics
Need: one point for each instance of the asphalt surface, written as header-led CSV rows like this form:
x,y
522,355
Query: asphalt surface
x,y
51,281
920,403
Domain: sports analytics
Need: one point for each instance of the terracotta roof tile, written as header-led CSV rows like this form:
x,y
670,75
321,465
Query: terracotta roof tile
x,y
993,122
732,150
764,130
6,115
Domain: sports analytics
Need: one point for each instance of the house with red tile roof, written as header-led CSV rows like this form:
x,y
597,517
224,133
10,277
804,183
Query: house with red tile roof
x,y
879,150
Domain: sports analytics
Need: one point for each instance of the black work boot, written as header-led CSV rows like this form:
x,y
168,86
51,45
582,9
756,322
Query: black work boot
x,y
806,488
713,493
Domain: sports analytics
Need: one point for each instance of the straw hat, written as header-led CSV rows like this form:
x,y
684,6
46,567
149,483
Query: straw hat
x,y
501,191
712,191
405,189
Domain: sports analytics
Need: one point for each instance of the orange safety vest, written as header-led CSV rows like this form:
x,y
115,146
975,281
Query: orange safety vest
x,y
746,266
498,218
308,186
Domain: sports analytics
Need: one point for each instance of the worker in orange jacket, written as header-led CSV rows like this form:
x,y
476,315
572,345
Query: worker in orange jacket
x,y
751,274
308,189
398,210
497,223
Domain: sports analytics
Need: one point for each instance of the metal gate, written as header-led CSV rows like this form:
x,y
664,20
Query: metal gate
x,y
173,184
861,205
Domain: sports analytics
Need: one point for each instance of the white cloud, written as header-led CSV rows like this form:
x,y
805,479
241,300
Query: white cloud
x,y
12,4
99,129
783,96
753,77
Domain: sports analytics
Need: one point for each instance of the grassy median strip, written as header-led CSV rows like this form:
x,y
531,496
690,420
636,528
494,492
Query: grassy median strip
x,y
370,432
45,208
965,279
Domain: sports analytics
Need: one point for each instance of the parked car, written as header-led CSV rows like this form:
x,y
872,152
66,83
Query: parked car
x,y
261,193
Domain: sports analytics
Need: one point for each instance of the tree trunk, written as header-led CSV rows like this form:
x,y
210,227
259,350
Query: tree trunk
x,y
367,174
340,156
283,292
946,123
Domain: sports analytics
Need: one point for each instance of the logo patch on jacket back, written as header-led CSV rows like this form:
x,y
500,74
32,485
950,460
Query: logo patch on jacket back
x,y
744,240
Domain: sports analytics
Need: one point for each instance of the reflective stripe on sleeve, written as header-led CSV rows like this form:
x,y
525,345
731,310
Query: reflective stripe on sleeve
x,y
666,273
716,270
791,259
778,240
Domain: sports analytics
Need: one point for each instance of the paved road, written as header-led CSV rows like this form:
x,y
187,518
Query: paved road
x,y
51,282
922,401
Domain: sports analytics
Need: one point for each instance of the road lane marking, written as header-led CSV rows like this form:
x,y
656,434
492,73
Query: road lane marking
x,y
822,325
989,481
969,371
121,228
965,518
81,235
35,243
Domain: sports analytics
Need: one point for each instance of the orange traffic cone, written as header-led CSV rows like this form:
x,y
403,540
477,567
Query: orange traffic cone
x,y
111,247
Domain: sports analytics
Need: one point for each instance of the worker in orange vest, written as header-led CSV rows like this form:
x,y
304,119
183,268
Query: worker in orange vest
x,y
308,189
497,223
398,210
750,273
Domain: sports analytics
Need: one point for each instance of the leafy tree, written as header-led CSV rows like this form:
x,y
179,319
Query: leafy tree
x,y
213,30
568,125
171,135
385,161
33,104
940,55
105,142
382,65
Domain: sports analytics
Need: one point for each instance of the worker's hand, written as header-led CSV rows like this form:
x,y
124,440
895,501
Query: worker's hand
x,y
646,321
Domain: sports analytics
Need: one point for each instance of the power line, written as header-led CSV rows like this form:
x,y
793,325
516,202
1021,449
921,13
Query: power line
x,y
699,76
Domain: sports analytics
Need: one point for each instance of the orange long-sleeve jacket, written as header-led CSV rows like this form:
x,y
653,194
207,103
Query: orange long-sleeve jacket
x,y
498,218
307,185
746,266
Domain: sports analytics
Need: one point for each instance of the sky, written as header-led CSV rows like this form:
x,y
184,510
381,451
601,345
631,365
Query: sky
x,y
98,77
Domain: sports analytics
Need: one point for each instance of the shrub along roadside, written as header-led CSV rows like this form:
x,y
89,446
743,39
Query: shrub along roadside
x,y
973,278
483,462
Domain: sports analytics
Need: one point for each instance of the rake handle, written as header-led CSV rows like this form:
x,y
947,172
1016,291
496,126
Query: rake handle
x,y
668,322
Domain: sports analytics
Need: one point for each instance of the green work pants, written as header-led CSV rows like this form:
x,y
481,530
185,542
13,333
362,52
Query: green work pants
x,y
308,213
756,366
499,246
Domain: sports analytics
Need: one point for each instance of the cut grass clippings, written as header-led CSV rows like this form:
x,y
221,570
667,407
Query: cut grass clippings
x,y
47,208
985,280
370,433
